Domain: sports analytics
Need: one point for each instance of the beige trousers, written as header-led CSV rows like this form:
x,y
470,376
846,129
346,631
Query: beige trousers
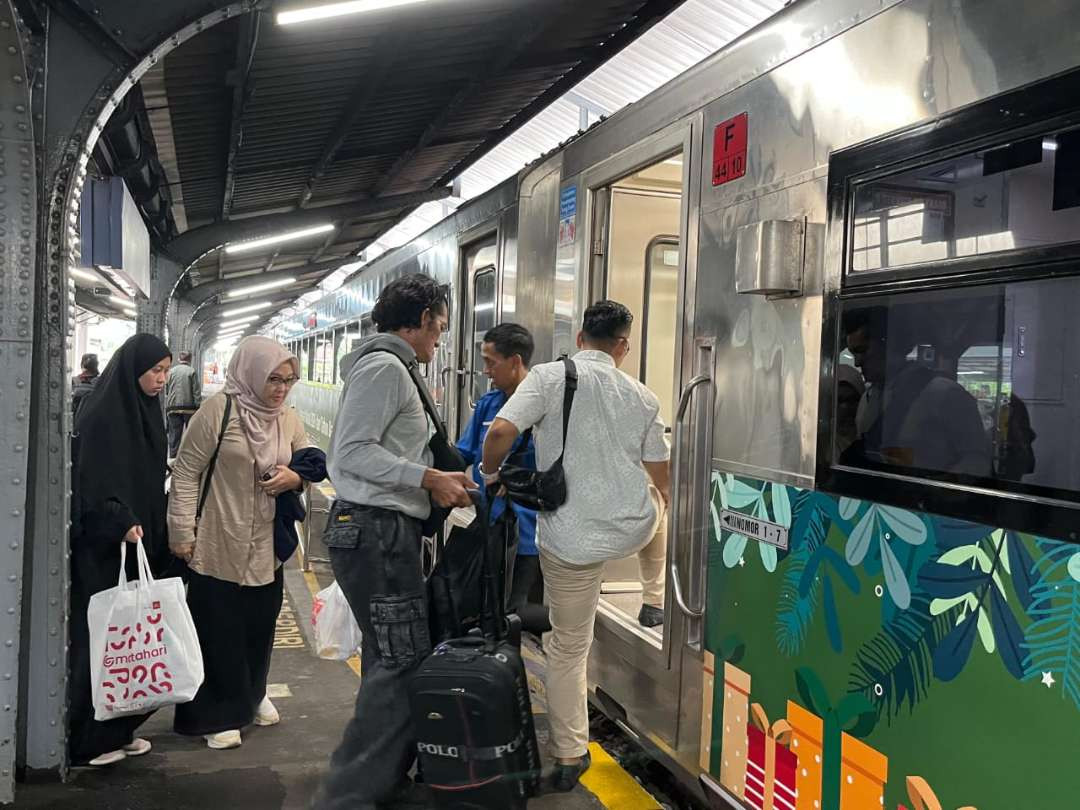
x,y
572,593
652,558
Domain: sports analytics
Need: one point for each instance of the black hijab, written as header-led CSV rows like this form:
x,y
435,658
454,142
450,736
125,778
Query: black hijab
x,y
119,454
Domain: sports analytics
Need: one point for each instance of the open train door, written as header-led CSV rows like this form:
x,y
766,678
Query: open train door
x,y
642,207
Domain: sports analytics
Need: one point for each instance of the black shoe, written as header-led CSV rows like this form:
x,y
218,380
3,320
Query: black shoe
x,y
564,777
650,616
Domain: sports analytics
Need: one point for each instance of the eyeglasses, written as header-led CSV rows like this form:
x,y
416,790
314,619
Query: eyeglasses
x,y
282,382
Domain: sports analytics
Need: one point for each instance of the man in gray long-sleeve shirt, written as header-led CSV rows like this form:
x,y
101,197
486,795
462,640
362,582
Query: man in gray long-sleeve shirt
x,y
379,462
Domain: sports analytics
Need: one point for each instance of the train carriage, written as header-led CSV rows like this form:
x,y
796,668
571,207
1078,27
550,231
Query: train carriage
x,y
851,242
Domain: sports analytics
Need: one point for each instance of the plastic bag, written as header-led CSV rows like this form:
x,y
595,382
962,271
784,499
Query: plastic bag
x,y
144,651
337,635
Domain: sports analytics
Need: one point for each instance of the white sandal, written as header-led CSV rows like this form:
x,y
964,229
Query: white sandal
x,y
108,758
266,714
223,740
137,747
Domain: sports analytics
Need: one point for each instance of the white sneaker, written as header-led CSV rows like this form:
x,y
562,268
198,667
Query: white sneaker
x,y
266,714
137,747
108,758
224,740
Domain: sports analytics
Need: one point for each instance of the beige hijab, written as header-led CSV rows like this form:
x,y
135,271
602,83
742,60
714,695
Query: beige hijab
x,y
251,366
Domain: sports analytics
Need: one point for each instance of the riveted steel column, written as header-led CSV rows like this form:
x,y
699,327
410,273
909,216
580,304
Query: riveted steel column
x,y
152,313
86,80
18,211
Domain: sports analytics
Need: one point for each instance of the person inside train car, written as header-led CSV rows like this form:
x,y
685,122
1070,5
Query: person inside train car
x,y
616,470
507,350
183,392
117,495
83,382
235,586
380,464
910,414
849,391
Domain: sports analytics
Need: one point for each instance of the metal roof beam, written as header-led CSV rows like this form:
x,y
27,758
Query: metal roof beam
x,y
247,39
213,312
359,101
189,246
526,30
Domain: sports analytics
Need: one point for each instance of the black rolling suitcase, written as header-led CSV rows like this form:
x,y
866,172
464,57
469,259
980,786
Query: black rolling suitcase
x,y
476,743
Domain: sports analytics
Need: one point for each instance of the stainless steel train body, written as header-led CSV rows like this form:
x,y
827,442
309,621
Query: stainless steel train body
x,y
725,207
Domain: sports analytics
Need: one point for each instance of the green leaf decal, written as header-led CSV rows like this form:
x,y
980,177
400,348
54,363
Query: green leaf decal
x,y
907,526
895,579
859,541
781,505
733,549
849,507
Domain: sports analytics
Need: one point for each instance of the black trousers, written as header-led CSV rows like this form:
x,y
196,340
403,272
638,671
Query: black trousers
x,y
375,554
177,424
236,625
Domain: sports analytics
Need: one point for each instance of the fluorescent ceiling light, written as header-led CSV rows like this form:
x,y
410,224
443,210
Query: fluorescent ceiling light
x,y
120,302
248,308
234,330
323,12
129,310
1050,144
237,322
84,275
288,236
258,288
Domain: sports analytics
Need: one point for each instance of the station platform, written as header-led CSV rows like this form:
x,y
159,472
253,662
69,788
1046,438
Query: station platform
x,y
280,767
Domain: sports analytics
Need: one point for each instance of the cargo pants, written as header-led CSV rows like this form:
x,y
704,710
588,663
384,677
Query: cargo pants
x,y
375,554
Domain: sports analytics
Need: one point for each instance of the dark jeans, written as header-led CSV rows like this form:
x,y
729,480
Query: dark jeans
x,y
178,421
375,554
526,594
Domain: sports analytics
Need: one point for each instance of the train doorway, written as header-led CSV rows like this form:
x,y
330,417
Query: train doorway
x,y
643,244
479,277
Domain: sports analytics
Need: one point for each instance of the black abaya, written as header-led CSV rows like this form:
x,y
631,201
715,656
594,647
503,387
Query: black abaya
x,y
118,481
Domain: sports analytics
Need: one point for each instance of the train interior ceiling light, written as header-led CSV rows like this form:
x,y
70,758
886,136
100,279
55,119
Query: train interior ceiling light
x,y
325,11
258,288
288,236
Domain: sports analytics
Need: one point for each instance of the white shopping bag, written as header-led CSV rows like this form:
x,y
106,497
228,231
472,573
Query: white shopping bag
x,y
337,635
144,651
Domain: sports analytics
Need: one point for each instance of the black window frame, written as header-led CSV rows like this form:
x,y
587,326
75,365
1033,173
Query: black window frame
x,y
1026,112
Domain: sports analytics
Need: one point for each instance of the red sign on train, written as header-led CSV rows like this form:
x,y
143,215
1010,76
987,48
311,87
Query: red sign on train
x,y
729,150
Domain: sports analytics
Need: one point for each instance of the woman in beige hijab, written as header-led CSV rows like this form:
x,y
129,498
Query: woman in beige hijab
x,y
224,528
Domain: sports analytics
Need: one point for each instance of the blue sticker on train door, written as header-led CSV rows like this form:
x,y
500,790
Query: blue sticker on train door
x,y
567,215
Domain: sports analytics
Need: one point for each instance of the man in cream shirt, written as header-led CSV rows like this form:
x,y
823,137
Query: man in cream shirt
x,y
616,467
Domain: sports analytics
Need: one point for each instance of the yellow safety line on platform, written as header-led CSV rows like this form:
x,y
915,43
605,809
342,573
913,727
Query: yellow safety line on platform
x,y
614,787
313,586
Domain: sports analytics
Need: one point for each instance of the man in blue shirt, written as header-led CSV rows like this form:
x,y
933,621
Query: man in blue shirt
x,y
507,350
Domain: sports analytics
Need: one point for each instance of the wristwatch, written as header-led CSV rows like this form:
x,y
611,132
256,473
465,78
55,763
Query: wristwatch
x,y
489,478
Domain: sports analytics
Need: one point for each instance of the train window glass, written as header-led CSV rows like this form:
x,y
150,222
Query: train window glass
x,y
972,385
341,348
660,313
305,359
324,358
367,326
1017,195
483,319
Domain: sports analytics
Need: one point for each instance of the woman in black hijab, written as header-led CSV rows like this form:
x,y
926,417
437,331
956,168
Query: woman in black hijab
x,y
118,494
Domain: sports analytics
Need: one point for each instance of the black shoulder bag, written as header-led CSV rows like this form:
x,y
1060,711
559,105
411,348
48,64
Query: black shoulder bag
x,y
213,462
543,491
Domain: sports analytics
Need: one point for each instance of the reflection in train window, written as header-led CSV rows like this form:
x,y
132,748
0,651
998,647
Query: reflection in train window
x,y
324,358
973,385
1020,195
483,319
659,320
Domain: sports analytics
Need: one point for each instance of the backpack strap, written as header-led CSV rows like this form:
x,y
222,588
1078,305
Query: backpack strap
x,y
213,460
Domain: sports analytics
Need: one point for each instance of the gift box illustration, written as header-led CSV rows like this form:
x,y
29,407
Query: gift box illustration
x,y
733,752
922,797
770,766
835,770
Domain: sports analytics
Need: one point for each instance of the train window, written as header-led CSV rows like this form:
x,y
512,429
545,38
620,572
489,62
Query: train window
x,y
969,384
324,358
1018,195
660,312
305,359
957,394
483,319
341,348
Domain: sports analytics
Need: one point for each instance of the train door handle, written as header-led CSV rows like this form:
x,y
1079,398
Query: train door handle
x,y
693,612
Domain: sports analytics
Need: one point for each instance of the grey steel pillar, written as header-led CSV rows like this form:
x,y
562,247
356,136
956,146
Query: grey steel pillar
x,y
152,312
18,213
